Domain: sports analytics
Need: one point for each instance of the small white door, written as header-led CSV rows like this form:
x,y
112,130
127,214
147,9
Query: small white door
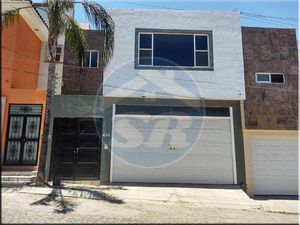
x,y
170,149
275,165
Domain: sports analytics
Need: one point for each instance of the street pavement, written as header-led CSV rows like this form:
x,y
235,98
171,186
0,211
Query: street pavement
x,y
142,204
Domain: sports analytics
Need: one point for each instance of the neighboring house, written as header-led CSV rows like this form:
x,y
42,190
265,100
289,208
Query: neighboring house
x,y
24,83
271,110
172,98
76,124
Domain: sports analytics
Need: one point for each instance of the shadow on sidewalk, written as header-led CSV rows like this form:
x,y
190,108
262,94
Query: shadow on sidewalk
x,y
64,206
95,194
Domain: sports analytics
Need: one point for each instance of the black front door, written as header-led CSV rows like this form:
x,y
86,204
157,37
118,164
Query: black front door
x,y
23,135
76,148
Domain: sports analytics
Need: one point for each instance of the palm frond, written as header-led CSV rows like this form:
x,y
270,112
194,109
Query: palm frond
x,y
56,12
75,37
98,16
66,4
9,17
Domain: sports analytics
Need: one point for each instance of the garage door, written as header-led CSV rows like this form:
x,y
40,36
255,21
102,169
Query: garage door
x,y
275,165
172,149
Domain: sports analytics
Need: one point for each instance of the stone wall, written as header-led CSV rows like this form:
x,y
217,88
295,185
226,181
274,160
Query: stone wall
x,y
83,81
270,106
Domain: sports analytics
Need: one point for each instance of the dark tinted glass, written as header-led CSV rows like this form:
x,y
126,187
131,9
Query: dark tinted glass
x,y
58,53
86,59
58,50
277,78
217,111
145,40
172,110
145,57
143,110
173,50
57,57
188,111
201,43
94,59
201,58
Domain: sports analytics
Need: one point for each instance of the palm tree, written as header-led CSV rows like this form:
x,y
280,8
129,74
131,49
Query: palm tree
x,y
61,23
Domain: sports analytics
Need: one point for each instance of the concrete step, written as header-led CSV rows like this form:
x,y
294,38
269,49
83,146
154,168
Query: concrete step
x,y
19,173
18,179
18,176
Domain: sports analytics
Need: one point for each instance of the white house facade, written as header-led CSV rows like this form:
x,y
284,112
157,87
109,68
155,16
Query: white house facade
x,y
221,79
172,98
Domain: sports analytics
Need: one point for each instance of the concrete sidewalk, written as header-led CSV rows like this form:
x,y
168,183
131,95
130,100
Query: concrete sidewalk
x,y
202,196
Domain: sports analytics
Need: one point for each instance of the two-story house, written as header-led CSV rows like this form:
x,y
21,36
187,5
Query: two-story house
x,y
172,98
271,110
173,108
76,115
24,83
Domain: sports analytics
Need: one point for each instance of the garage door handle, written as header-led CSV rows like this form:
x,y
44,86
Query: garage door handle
x,y
76,151
172,148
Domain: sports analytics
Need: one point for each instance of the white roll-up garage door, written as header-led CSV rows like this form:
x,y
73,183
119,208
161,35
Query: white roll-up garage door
x,y
275,164
172,149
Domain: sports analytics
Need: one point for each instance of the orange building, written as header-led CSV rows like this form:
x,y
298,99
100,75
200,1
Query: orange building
x,y
24,82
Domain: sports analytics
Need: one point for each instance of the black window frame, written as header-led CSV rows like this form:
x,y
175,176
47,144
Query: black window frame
x,y
195,33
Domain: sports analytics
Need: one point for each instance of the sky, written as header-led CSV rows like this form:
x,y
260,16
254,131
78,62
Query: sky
x,y
264,13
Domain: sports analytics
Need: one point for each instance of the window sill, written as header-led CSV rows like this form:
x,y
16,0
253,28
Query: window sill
x,y
137,67
269,83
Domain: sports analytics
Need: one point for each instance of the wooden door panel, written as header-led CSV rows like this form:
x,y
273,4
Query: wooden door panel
x,y
89,140
77,148
65,126
88,158
65,169
88,170
88,155
66,140
65,155
88,126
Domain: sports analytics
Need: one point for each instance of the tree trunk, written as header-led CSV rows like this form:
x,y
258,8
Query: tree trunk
x,y
45,136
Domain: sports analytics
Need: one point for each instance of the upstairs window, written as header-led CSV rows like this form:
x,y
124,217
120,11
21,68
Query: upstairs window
x,y
58,54
91,59
277,78
171,50
266,78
